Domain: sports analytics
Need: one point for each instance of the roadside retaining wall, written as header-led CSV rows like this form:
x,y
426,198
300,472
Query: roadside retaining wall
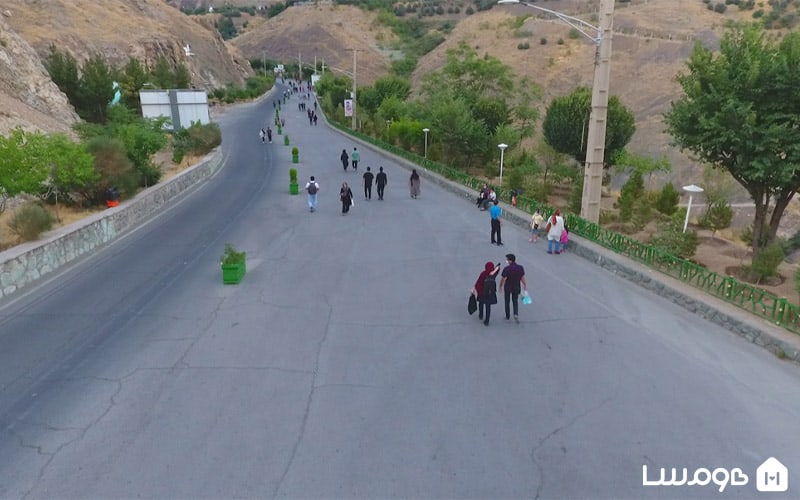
x,y
23,264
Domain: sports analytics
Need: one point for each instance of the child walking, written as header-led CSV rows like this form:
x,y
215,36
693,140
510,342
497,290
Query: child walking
x,y
536,224
564,238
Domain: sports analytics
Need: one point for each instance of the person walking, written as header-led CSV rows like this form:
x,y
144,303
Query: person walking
x,y
555,226
414,184
312,188
536,224
380,182
262,134
368,176
354,158
269,135
345,159
495,212
347,198
485,290
511,284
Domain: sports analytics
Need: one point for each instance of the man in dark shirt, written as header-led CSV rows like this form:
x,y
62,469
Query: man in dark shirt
x,y
512,277
368,184
381,182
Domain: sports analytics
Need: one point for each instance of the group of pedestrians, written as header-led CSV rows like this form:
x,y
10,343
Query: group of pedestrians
x,y
346,194
512,285
555,228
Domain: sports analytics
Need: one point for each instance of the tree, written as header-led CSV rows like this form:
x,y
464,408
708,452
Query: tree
x,y
718,216
63,70
645,165
566,125
23,165
71,167
631,191
667,202
96,89
163,75
134,76
740,112
183,78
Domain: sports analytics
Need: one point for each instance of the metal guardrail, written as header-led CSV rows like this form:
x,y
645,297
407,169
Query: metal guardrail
x,y
757,301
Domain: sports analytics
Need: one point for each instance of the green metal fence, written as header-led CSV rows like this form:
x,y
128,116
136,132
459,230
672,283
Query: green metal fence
x,y
745,296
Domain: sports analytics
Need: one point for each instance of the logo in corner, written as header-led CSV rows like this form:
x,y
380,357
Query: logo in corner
x,y
772,476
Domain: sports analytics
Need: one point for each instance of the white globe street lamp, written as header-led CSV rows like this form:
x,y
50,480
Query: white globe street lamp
x,y
426,130
596,140
502,150
691,189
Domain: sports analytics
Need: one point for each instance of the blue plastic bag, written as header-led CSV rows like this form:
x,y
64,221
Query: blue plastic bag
x,y
526,299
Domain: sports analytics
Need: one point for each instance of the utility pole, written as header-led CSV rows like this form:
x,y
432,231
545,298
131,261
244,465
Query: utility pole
x,y
355,65
595,145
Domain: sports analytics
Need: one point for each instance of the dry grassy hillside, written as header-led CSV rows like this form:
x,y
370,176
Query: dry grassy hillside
x,y
323,31
651,44
117,29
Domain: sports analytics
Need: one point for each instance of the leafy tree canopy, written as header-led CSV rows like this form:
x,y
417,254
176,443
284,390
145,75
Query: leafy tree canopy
x,y
741,112
566,125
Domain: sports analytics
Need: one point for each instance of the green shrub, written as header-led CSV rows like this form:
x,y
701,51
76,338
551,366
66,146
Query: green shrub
x,y
30,221
232,256
668,198
576,195
631,191
607,217
295,151
293,175
560,41
574,34
746,235
543,41
523,46
720,8
197,140
718,216
642,213
670,237
766,263
114,167
797,280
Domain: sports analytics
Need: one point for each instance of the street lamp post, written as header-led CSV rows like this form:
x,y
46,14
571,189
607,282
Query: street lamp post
x,y
691,189
426,130
596,140
502,147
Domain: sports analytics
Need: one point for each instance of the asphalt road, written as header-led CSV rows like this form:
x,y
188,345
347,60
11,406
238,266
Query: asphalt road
x,y
345,364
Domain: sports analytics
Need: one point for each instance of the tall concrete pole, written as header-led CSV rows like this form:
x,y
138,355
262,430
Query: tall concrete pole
x,y
595,144
355,64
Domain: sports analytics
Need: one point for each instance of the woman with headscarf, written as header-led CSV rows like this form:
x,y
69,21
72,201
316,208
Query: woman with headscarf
x,y
555,226
347,198
485,290
414,184
345,159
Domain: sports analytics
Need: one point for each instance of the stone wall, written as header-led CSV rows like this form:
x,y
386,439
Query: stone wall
x,y
22,265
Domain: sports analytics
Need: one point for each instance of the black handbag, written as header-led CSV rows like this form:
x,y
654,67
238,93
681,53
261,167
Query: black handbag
x,y
472,305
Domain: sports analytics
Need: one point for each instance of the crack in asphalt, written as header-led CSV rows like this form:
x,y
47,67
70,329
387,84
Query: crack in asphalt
x,y
309,402
557,430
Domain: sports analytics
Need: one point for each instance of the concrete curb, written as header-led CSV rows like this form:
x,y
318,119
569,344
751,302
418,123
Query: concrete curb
x,y
22,265
783,344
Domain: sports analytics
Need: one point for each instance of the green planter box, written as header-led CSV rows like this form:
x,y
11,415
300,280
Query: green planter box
x,y
285,140
294,188
232,274
295,158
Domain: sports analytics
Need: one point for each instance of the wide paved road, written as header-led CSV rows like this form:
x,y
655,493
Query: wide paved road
x,y
345,365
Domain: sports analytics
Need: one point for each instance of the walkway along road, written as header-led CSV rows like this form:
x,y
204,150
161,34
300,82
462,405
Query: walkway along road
x,y
345,364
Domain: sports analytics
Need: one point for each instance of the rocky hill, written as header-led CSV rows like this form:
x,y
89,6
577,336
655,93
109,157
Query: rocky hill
x,y
117,29
651,42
